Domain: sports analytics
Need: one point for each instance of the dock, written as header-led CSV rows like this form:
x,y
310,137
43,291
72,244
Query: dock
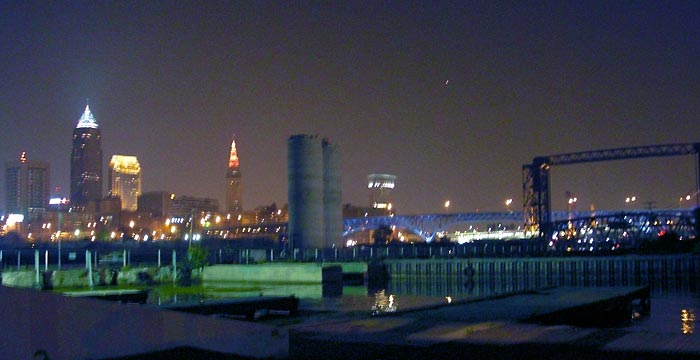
x,y
248,308
572,323
124,296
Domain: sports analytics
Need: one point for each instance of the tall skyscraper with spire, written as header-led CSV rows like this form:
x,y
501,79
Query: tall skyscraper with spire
x,y
233,182
86,162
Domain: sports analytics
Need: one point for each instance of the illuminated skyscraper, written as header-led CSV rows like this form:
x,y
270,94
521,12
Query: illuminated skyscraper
x,y
233,182
27,186
125,180
86,162
380,187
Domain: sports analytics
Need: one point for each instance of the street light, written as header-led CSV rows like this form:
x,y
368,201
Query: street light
x,y
686,198
508,203
572,203
447,204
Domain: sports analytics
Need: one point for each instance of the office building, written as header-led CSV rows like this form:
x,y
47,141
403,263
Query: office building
x,y
155,204
233,182
163,204
380,187
86,162
125,180
27,187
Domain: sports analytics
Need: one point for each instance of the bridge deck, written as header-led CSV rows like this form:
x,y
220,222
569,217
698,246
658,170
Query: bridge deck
x,y
498,328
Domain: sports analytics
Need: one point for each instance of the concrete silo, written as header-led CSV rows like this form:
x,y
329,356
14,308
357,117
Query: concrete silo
x,y
314,192
305,191
332,196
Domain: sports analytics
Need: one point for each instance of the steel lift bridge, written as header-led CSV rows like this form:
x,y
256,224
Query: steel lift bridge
x,y
537,202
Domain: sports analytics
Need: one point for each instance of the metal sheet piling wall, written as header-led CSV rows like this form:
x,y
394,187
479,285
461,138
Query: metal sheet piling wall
x,y
517,273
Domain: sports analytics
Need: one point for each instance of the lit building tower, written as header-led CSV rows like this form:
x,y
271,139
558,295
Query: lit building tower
x,y
86,162
125,180
26,187
314,196
380,187
233,182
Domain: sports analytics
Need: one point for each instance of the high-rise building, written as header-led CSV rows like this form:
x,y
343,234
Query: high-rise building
x,y
315,210
26,186
86,162
156,203
233,182
125,180
380,187
164,204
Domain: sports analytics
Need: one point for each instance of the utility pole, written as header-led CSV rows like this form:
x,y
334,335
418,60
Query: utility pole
x,y
650,205
58,232
189,244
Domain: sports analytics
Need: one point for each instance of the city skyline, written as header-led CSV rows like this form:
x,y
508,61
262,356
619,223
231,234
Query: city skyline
x,y
451,98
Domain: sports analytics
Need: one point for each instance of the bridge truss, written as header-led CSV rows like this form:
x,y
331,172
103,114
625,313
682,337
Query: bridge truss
x,y
427,226
536,183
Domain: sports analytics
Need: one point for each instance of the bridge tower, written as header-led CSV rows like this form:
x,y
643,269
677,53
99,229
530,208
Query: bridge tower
x,y
537,212
536,200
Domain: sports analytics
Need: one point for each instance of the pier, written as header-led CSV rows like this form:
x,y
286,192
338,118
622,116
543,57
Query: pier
x,y
534,324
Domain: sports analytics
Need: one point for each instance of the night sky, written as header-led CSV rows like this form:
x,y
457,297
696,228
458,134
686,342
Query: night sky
x,y
453,98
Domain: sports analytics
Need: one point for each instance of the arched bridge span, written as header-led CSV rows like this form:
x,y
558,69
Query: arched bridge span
x,y
426,226
597,229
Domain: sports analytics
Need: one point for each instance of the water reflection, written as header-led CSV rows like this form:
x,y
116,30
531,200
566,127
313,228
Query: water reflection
x,y
383,303
688,321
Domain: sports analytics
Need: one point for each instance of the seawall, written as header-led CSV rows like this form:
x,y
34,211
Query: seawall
x,y
556,271
278,272
310,273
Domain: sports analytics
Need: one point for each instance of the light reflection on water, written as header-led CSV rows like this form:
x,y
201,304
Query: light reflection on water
x,y
688,321
383,303
674,302
670,313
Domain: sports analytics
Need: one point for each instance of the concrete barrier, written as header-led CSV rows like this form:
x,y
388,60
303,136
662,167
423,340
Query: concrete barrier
x,y
20,278
310,273
273,272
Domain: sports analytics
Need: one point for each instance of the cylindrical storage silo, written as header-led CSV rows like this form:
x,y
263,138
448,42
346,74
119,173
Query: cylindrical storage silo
x,y
305,192
332,199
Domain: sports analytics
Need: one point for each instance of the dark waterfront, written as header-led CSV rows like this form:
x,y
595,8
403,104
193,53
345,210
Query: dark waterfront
x,y
675,299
